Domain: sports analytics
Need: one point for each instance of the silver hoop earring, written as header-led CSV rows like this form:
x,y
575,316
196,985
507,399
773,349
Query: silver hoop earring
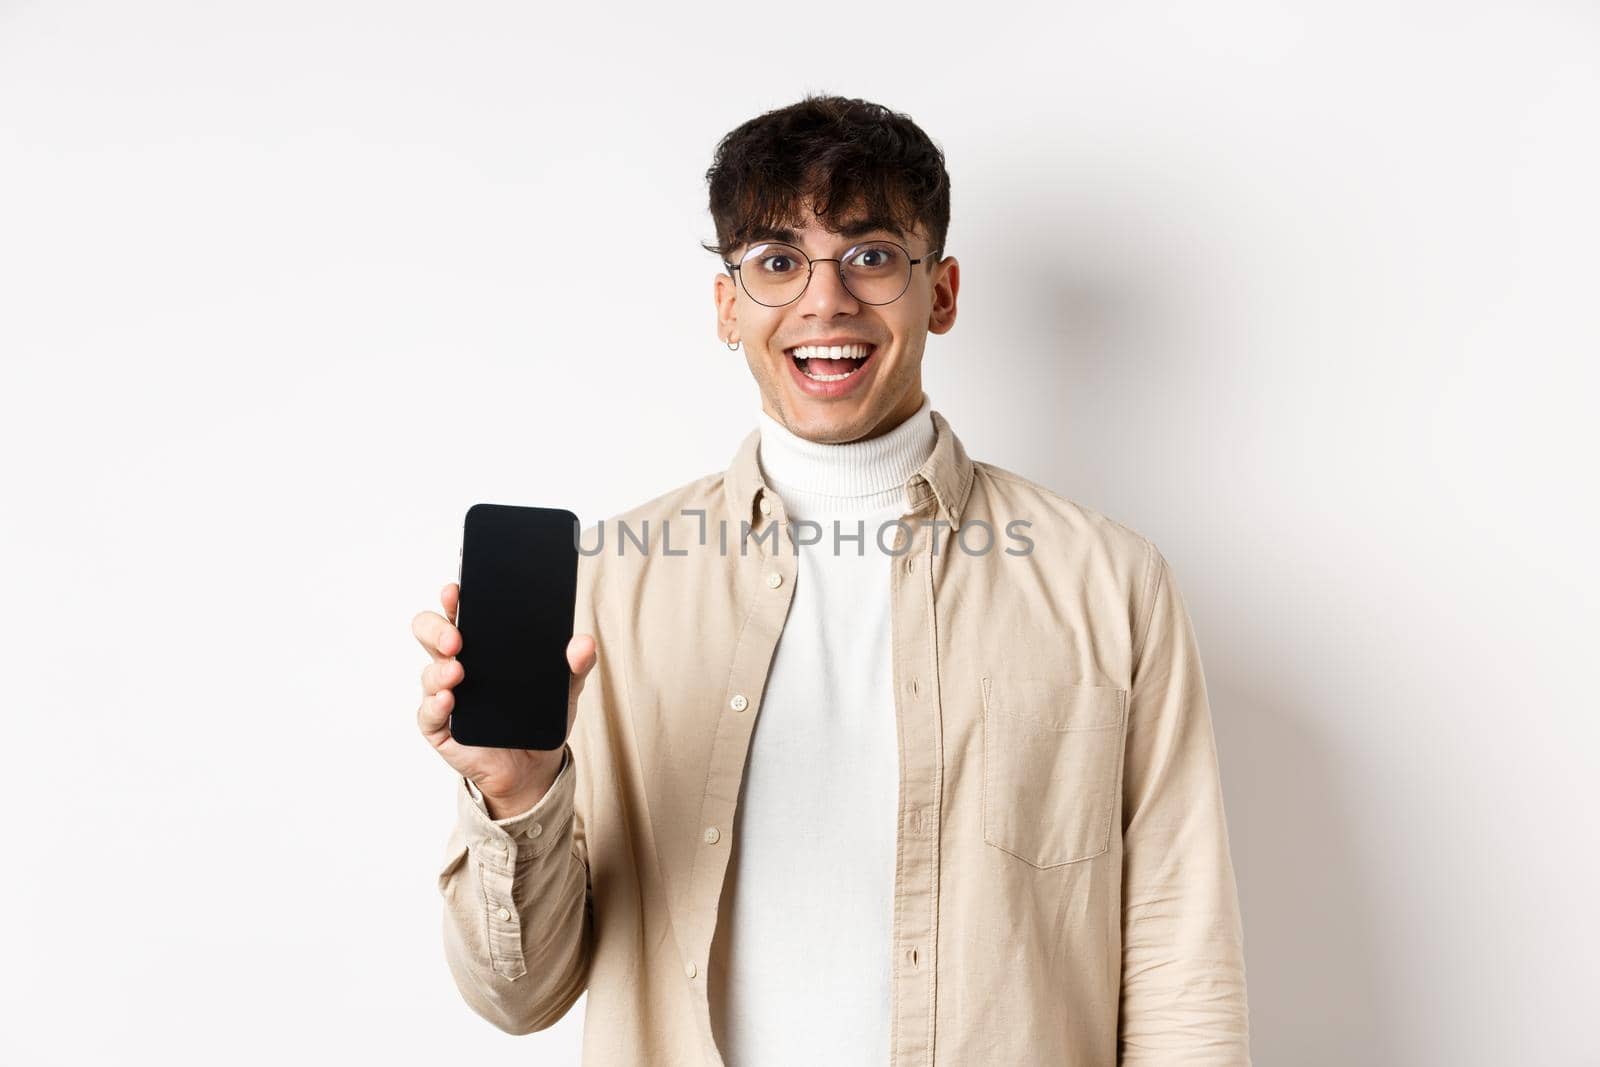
x,y
733,346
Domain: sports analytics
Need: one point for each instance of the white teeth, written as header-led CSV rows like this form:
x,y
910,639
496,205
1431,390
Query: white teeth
x,y
831,352
855,352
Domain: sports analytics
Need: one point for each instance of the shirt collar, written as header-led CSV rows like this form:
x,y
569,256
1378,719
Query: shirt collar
x,y
944,479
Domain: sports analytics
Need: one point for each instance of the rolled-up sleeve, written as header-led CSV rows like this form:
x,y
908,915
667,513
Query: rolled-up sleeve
x,y
1183,995
518,921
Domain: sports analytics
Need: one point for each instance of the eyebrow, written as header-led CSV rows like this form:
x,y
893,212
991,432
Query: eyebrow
x,y
854,228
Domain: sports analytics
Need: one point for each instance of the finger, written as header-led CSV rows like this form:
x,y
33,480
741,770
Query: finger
x,y
582,654
428,627
433,715
441,674
450,599
447,640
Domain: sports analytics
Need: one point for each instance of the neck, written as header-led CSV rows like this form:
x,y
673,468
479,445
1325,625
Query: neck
x,y
854,477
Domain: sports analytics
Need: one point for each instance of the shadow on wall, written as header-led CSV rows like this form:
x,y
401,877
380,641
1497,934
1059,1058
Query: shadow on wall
x,y
1320,993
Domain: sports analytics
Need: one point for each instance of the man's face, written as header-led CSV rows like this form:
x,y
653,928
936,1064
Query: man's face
x,y
887,387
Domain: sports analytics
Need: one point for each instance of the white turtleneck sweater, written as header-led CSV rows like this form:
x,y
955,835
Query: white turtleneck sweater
x,y
804,933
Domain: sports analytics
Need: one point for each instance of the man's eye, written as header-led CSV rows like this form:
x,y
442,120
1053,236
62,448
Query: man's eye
x,y
778,264
875,258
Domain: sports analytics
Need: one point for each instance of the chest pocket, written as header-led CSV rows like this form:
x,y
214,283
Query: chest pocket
x,y
1052,765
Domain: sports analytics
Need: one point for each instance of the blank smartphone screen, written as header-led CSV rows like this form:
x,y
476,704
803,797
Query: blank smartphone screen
x,y
519,581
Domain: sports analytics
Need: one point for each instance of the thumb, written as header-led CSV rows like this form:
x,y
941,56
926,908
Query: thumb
x,y
582,654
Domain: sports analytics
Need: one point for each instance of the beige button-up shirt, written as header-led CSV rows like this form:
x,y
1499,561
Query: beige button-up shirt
x,y
1063,887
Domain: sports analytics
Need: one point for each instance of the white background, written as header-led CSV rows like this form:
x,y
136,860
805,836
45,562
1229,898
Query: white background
x,y
1304,293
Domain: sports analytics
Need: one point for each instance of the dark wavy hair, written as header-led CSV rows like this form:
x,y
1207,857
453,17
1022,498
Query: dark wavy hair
x,y
836,151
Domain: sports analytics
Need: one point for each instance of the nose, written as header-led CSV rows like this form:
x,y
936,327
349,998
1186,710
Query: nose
x,y
826,295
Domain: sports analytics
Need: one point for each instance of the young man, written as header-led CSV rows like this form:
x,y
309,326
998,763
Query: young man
x,y
891,755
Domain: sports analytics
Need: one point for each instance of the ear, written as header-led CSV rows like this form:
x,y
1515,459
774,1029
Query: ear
x,y
946,283
725,293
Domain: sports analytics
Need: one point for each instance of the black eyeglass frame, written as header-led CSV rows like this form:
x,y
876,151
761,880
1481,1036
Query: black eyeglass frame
x,y
811,266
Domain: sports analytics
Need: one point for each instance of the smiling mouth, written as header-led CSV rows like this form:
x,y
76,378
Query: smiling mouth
x,y
831,364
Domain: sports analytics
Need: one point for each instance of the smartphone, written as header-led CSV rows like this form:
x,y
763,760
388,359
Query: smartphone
x,y
519,582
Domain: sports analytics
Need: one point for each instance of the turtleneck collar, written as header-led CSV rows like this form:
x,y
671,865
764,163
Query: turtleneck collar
x,y
854,477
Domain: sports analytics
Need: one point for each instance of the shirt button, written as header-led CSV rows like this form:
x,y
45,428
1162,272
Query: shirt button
x,y
535,830
911,564
774,579
688,969
504,913
712,835
766,506
738,703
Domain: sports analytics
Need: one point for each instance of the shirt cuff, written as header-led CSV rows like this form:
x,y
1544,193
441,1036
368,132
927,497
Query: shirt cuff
x,y
527,833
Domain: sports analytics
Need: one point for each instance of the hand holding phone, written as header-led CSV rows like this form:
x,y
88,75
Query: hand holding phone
x,y
515,607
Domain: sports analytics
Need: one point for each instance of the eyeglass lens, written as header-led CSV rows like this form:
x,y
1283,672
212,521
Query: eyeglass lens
x,y
874,273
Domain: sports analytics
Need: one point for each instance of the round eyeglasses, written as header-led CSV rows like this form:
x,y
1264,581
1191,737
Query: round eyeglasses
x,y
874,272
